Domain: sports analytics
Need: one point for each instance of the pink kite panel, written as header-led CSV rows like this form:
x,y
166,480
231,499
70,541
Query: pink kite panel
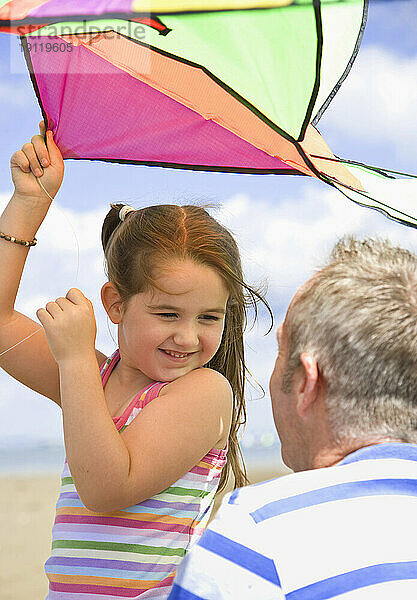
x,y
89,103
75,7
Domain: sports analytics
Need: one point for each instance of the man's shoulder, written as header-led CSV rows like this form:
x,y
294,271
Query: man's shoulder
x,y
282,487
351,478
314,533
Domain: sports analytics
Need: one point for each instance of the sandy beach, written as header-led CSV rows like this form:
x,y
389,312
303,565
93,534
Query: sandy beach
x,y
27,506
27,510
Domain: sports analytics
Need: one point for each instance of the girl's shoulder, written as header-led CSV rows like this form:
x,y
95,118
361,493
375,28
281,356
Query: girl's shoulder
x,y
202,397
202,380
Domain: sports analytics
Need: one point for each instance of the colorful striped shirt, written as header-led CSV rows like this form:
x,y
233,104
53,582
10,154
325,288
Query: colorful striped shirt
x,y
133,552
347,532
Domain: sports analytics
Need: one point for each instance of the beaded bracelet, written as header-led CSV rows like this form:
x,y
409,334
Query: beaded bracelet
x,y
10,238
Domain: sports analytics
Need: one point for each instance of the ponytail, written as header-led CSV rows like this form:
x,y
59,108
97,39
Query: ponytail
x,y
111,222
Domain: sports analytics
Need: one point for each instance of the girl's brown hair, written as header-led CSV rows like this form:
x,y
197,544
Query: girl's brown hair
x,y
151,237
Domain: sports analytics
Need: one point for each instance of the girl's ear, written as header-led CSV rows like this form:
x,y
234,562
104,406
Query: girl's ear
x,y
112,302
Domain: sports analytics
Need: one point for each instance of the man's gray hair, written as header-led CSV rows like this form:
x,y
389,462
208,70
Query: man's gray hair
x,y
358,318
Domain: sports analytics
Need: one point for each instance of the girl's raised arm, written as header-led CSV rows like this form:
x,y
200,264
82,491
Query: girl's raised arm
x,y
30,362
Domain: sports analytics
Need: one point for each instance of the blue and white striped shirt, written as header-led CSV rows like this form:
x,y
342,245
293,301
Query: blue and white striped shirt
x,y
347,531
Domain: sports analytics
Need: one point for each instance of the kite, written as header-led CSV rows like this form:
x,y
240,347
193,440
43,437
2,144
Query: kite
x,y
216,85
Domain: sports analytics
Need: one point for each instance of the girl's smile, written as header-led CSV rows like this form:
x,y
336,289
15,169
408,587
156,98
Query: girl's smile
x,y
176,355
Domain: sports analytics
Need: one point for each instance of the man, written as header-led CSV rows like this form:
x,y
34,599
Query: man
x,y
344,397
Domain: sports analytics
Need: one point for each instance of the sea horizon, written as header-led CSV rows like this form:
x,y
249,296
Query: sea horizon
x,y
27,457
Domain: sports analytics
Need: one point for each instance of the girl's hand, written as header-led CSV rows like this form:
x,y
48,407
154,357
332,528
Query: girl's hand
x,y
38,160
70,326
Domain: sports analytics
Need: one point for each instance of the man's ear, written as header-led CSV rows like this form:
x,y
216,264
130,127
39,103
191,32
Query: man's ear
x,y
112,302
307,383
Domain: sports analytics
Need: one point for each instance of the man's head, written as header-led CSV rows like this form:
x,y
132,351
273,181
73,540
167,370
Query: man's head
x,y
350,337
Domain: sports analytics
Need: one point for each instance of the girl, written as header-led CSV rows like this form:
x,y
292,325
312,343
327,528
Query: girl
x,y
151,434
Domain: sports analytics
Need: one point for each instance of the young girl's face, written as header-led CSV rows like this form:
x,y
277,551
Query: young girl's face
x,y
166,334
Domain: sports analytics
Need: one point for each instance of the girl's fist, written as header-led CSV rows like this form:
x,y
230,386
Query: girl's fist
x,y
70,326
38,160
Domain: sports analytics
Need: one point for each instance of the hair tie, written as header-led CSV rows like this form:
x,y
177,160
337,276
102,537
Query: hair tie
x,y
124,211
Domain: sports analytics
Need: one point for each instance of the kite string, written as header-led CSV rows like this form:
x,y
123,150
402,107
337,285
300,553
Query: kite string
x,y
44,189
76,275
71,227
21,341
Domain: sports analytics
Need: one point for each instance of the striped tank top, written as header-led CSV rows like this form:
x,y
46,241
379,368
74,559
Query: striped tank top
x,y
134,552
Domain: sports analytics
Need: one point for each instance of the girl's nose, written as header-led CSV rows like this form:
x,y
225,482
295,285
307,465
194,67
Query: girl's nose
x,y
186,337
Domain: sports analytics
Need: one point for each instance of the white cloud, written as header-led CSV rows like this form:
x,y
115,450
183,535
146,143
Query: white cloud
x,y
378,100
68,255
67,230
287,241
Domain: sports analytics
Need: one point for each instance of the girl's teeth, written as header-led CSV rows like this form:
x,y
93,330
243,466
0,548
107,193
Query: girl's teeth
x,y
176,354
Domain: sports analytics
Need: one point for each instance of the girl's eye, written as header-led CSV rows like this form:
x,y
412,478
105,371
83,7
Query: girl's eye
x,y
210,318
167,315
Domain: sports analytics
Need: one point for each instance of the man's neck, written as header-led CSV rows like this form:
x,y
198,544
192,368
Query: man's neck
x,y
330,456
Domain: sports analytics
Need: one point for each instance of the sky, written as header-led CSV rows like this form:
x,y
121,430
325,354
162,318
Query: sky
x,y
285,226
